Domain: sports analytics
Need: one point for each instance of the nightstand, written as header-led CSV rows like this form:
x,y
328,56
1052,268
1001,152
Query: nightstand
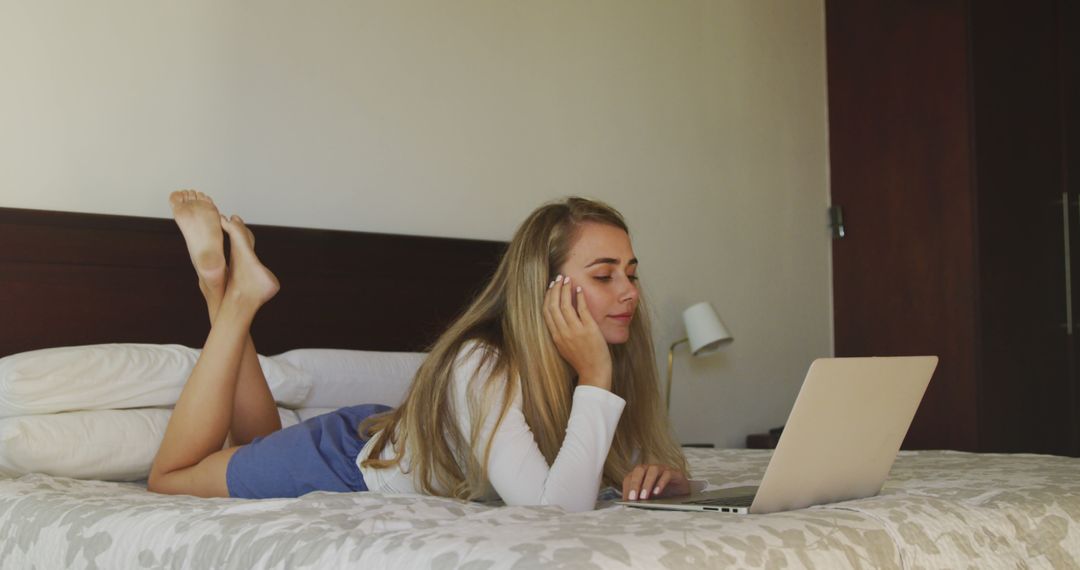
x,y
767,440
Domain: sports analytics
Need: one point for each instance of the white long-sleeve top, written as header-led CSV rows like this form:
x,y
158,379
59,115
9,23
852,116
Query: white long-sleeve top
x,y
517,470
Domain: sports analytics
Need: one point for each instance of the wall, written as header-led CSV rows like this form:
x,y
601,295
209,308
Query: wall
x,y
703,121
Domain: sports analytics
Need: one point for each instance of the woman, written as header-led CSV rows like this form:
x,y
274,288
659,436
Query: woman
x,y
545,387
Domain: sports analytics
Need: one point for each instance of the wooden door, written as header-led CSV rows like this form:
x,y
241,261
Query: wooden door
x,y
901,169
1024,372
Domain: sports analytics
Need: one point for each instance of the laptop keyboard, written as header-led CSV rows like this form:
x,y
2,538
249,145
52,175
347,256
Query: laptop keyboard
x,y
743,501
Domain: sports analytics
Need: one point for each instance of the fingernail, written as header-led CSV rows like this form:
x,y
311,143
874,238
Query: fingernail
x,y
656,490
579,288
633,495
644,494
558,278
550,285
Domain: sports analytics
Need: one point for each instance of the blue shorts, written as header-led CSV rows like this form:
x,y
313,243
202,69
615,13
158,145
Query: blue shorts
x,y
318,454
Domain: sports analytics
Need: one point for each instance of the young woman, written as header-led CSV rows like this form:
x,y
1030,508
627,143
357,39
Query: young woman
x,y
544,388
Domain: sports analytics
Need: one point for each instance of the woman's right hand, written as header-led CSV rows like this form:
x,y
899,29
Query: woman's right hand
x,y
576,334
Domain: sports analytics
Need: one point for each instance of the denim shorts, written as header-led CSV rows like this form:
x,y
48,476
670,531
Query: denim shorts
x,y
318,454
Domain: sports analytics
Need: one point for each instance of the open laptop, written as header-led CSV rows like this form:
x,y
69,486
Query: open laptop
x,y
839,442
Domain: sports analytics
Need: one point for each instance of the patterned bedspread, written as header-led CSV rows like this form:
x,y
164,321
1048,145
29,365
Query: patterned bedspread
x,y
937,510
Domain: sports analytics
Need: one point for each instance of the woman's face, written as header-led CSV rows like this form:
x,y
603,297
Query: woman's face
x,y
602,262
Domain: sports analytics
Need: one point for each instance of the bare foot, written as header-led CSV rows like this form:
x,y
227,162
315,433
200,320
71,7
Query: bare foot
x,y
249,279
199,221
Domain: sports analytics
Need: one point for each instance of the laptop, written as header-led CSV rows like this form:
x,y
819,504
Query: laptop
x,y
839,442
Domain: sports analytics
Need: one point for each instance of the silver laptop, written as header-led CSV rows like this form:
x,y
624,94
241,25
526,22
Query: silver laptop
x,y
839,442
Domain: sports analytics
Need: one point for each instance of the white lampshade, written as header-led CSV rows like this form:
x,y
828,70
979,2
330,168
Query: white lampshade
x,y
704,329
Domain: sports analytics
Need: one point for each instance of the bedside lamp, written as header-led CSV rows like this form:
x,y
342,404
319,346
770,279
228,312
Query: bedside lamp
x,y
705,333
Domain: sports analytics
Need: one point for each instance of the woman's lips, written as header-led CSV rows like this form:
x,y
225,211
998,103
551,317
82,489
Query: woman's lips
x,y
623,318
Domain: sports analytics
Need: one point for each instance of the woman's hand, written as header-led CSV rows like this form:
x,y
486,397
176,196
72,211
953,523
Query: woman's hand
x,y
576,334
653,481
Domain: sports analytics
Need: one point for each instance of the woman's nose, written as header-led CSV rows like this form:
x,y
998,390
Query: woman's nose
x,y
629,290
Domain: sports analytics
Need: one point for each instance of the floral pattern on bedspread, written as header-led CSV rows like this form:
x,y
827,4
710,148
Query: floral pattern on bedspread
x,y
938,509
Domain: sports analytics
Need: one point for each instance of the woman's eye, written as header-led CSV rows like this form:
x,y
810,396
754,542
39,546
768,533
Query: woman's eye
x,y
632,277
602,277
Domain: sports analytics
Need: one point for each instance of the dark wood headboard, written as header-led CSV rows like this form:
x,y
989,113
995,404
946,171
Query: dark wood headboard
x,y
72,279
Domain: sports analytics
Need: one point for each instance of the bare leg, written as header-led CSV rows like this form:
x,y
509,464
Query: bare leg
x,y
191,459
254,412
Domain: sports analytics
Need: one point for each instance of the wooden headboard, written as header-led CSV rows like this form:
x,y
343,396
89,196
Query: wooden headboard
x,y
71,279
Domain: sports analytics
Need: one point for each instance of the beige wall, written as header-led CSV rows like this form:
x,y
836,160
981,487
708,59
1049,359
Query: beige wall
x,y
703,121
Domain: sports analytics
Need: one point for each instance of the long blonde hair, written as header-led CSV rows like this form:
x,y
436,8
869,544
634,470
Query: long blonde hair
x,y
506,317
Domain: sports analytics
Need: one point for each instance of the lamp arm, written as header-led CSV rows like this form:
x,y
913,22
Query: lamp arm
x,y
670,365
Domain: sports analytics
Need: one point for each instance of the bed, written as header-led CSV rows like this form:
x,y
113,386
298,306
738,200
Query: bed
x,y
69,280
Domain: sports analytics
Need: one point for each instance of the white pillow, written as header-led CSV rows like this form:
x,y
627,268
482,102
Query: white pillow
x,y
110,376
111,445
351,377
306,414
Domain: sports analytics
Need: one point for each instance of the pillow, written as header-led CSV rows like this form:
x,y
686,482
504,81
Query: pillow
x,y
110,376
306,414
351,377
110,445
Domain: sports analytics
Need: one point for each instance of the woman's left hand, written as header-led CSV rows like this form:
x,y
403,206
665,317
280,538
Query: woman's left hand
x,y
652,481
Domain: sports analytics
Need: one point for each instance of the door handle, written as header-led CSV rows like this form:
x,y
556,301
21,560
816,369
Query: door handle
x,y
836,222
1068,263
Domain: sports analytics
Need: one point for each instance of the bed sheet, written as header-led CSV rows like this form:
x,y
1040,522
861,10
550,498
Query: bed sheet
x,y
938,509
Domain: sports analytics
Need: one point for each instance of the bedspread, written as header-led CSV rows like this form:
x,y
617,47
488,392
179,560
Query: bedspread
x,y
938,509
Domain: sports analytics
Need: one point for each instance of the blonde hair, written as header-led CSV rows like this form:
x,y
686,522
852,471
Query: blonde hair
x,y
506,318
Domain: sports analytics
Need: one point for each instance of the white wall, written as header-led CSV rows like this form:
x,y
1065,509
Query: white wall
x,y
703,121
